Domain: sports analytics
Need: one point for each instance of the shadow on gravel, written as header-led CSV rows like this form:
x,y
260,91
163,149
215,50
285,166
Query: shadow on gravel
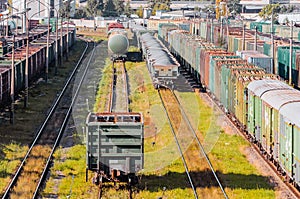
x,y
173,180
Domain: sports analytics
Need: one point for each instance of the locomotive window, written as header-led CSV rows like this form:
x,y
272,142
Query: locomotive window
x,y
169,69
162,69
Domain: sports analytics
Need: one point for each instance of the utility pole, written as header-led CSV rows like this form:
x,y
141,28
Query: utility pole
x,y
67,52
211,30
227,28
56,43
26,63
291,54
243,46
221,32
61,40
272,43
255,39
12,83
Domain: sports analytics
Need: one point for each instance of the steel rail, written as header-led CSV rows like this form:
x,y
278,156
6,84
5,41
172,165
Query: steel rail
x,y
114,89
179,148
200,145
64,124
245,136
111,96
42,127
125,85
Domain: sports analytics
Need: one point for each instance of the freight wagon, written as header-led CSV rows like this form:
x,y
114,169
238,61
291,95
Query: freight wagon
x,y
273,122
161,64
232,38
266,108
36,59
115,146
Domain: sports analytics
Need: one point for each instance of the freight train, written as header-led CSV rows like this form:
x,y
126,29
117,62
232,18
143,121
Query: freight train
x,y
36,59
162,65
263,106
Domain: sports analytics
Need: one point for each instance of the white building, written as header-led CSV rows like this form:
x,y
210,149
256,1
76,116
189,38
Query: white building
x,y
41,8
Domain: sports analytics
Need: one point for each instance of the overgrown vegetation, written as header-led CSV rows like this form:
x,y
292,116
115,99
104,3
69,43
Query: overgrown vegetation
x,y
69,166
16,138
103,94
226,151
164,175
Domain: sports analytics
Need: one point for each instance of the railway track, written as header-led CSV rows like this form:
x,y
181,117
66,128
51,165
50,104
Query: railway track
x,y
30,175
294,193
118,103
180,127
119,92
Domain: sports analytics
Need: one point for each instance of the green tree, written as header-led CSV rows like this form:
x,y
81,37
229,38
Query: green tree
x,y
287,9
267,11
234,6
94,7
139,12
159,5
64,11
119,5
109,9
127,9
80,13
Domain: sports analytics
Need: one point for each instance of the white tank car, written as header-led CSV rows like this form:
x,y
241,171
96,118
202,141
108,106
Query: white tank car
x,y
118,42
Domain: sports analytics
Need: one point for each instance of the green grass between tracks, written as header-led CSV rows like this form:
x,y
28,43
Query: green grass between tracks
x,y
226,151
163,166
104,88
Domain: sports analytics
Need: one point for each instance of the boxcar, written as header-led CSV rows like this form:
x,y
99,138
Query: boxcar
x,y
290,136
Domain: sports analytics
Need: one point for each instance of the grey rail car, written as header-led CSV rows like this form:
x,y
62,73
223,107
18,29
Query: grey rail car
x,y
115,146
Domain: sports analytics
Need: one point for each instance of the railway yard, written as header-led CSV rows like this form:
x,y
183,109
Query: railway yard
x,y
96,127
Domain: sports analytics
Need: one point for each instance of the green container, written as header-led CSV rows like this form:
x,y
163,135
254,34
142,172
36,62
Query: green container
x,y
284,63
251,111
257,119
296,153
267,135
285,146
254,116
267,49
